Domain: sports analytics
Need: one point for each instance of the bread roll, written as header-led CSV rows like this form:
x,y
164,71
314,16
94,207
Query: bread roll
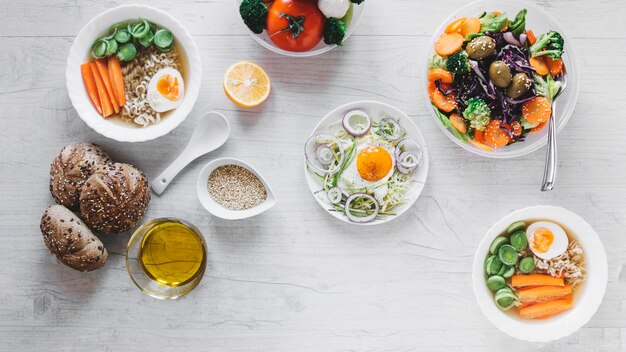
x,y
71,240
114,198
71,169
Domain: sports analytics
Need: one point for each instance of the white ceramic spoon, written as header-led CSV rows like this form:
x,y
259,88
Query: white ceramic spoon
x,y
211,133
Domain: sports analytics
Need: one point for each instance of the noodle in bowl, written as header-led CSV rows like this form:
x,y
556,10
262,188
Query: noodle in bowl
x,y
137,120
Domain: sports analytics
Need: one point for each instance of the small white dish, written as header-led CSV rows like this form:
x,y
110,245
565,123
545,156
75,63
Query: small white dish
x,y
79,53
214,208
320,48
375,109
586,300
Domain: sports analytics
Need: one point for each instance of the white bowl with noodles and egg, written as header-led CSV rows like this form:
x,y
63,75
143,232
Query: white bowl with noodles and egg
x,y
123,128
586,298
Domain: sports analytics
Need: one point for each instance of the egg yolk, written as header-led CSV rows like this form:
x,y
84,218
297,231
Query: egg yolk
x,y
167,85
542,240
373,163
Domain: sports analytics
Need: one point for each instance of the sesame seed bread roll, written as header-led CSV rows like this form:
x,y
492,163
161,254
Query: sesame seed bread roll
x,y
114,198
71,169
71,240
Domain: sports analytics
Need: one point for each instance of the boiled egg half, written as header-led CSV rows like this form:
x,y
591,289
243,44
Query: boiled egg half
x,y
166,90
546,239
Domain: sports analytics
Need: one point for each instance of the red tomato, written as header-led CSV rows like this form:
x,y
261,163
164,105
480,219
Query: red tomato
x,y
295,25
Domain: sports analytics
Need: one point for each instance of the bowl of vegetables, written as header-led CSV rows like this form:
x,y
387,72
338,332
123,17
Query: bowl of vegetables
x,y
494,74
540,273
300,28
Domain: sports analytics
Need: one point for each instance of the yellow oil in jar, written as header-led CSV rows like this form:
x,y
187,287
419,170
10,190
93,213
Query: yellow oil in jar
x,y
172,254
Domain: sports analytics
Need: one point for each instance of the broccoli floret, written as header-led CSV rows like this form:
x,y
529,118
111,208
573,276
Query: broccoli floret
x,y
477,113
552,42
334,31
458,62
436,61
356,1
254,15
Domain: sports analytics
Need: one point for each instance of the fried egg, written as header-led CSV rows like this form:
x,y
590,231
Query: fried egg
x,y
546,239
166,90
371,168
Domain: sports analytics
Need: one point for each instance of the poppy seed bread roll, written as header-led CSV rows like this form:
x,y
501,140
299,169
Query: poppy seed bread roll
x,y
71,240
71,169
114,198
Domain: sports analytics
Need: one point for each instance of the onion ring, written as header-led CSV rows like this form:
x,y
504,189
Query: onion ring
x,y
321,144
356,123
398,131
361,219
408,155
334,195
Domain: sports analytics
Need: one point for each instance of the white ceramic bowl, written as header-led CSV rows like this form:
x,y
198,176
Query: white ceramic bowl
x,y
331,123
214,208
321,48
79,53
540,21
587,300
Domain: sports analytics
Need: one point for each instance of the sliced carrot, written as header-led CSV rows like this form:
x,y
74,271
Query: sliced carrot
x,y
471,25
90,86
104,73
543,293
537,110
117,79
539,65
536,280
547,308
443,102
432,87
555,66
516,128
539,127
455,25
458,122
479,136
107,108
531,37
438,73
525,304
448,44
481,145
495,136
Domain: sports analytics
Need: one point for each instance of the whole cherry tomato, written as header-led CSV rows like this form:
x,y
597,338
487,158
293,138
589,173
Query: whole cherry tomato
x,y
295,25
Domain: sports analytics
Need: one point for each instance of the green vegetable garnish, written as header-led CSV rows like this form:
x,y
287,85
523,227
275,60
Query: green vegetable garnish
x,y
163,39
478,113
505,298
99,49
436,61
254,15
122,36
147,40
518,225
334,31
458,63
494,283
527,265
139,29
509,272
492,22
519,240
497,243
551,44
518,26
126,52
508,255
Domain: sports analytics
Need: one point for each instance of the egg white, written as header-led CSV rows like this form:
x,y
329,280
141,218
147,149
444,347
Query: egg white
x,y
351,179
157,101
559,245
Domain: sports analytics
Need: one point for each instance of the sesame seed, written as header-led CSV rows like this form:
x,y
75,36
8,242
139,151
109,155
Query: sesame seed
x,y
236,188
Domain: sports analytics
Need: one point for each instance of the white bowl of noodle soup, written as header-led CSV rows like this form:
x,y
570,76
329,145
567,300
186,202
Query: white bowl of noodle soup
x,y
124,128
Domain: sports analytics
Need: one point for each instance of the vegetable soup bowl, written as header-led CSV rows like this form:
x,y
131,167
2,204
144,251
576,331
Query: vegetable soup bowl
x,y
540,21
587,299
265,41
80,53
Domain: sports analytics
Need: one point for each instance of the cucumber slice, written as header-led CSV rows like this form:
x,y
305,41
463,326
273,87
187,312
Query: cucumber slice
x,y
510,272
519,240
495,283
518,225
527,265
508,255
497,243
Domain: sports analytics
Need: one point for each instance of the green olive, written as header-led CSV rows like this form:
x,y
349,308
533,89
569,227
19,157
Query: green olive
x,y
481,47
500,74
519,86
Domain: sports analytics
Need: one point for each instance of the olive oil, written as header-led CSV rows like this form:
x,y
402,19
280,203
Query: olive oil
x,y
172,254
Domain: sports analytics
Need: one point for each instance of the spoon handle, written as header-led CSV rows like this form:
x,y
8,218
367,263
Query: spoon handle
x,y
549,174
160,183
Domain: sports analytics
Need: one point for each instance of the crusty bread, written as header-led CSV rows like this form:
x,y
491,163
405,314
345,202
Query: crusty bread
x,y
114,198
71,169
71,240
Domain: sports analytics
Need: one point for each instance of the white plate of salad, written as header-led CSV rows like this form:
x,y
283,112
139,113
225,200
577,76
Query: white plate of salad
x,y
366,163
494,73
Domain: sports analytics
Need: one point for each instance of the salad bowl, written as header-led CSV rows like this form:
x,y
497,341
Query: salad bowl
x,y
540,21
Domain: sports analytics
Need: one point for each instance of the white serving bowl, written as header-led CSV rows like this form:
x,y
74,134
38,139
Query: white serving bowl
x,y
214,208
79,53
330,123
586,300
540,21
321,47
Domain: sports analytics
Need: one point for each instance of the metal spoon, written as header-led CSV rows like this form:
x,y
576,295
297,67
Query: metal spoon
x,y
549,173
211,133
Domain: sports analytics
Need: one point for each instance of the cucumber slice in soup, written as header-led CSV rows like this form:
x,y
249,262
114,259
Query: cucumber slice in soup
x,y
527,265
518,225
497,243
510,272
496,265
495,283
508,255
519,240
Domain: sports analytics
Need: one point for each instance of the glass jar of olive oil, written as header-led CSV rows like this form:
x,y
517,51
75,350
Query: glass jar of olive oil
x,y
166,258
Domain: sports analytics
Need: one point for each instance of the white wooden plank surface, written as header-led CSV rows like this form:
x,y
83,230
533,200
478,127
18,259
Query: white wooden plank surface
x,y
294,278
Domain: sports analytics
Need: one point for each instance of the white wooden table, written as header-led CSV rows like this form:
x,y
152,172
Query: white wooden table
x,y
295,278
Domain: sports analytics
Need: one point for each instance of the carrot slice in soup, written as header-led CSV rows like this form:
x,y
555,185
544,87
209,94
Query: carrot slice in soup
x,y
117,79
107,108
90,86
104,73
547,308
536,280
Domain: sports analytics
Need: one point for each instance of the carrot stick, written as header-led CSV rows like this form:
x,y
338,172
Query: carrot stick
x,y
117,79
543,293
449,44
555,66
531,37
537,110
479,136
104,73
471,25
445,103
107,108
539,65
90,86
438,73
536,280
547,308
455,25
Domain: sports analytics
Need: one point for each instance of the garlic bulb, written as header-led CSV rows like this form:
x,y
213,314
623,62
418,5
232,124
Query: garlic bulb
x,y
333,8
